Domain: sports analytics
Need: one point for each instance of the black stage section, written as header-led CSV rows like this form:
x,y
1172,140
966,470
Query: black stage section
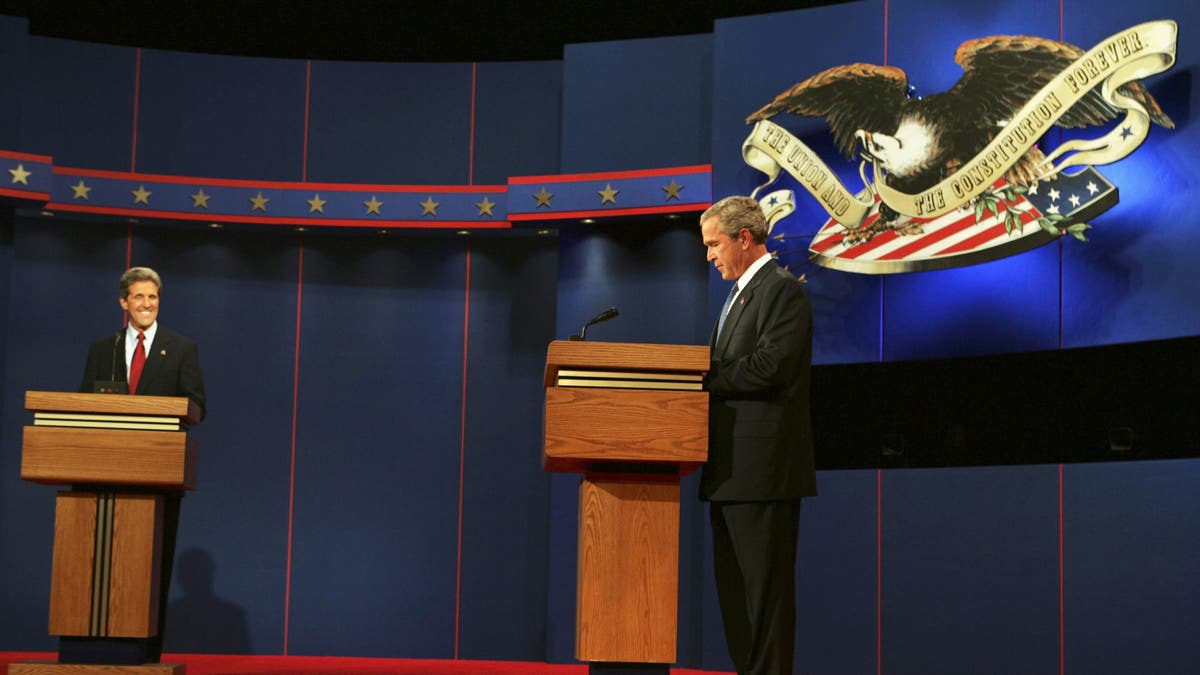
x,y
380,30
1118,402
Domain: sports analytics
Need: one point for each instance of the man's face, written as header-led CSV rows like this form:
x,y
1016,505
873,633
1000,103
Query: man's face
x,y
141,304
728,254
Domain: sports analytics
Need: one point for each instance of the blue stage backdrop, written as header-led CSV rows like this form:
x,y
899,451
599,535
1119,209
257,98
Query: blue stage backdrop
x,y
370,481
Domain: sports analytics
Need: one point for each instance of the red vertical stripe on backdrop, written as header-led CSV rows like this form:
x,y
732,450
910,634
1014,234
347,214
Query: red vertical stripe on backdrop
x,y
462,451
137,92
879,571
471,141
128,246
307,95
287,584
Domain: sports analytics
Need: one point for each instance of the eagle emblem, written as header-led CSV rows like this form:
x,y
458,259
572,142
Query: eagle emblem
x,y
971,152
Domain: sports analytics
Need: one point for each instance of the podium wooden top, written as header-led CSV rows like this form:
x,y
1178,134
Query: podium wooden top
x,y
120,404
630,356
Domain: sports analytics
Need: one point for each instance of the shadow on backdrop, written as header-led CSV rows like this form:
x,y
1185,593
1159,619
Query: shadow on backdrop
x,y
199,622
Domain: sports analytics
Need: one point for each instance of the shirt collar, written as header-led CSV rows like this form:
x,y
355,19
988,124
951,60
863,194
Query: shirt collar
x,y
131,334
752,270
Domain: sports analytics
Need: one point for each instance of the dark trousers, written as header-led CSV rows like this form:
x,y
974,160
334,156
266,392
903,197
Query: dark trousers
x,y
133,651
754,558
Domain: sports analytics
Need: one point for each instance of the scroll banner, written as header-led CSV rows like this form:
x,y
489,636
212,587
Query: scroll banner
x,y
1132,54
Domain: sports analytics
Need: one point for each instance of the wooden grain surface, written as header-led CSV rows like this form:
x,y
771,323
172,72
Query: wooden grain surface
x,y
584,425
71,569
136,557
64,455
628,574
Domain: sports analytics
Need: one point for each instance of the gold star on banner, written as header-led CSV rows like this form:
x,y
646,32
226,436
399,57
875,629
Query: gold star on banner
x,y
81,190
543,198
259,202
485,207
316,204
20,175
672,190
608,195
200,200
373,206
141,195
429,207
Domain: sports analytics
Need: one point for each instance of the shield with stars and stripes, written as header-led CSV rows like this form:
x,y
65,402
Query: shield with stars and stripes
x,y
969,235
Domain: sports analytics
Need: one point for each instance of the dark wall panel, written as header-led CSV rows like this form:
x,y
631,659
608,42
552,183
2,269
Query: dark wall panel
x,y
504,539
394,123
518,120
223,116
64,275
1132,541
235,295
636,104
378,440
651,271
836,585
14,46
78,103
964,585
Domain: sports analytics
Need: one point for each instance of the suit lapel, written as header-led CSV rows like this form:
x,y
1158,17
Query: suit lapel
x,y
744,300
156,355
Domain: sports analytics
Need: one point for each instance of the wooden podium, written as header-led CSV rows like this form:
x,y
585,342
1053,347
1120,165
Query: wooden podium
x,y
115,451
632,418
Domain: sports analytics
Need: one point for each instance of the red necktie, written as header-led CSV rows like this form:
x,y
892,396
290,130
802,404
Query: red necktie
x,y
137,363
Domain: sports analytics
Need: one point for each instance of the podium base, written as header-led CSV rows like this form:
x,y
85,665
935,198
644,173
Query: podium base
x,y
54,668
629,669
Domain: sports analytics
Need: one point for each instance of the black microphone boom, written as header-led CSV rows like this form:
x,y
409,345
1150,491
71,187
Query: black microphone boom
x,y
116,343
607,314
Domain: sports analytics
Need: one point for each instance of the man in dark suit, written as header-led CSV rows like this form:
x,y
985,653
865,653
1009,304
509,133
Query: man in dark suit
x,y
171,364
760,458
153,361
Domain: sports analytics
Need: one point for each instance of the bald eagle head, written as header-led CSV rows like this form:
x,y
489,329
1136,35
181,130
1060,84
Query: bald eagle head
x,y
914,148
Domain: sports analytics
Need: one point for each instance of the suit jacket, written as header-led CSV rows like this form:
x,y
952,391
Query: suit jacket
x,y
172,366
760,432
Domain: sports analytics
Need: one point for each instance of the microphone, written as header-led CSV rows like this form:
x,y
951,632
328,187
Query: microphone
x,y
112,386
116,343
607,314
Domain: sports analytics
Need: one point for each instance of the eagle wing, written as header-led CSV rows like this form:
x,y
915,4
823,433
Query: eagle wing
x,y
1005,71
850,97
1002,72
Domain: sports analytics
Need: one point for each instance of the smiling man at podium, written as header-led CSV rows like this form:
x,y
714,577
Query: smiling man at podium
x,y
760,457
147,359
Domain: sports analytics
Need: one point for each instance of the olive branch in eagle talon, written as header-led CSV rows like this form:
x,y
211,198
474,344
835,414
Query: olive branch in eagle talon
x,y
918,142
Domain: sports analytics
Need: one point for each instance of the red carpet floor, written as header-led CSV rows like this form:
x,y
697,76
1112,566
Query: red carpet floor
x,y
209,664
